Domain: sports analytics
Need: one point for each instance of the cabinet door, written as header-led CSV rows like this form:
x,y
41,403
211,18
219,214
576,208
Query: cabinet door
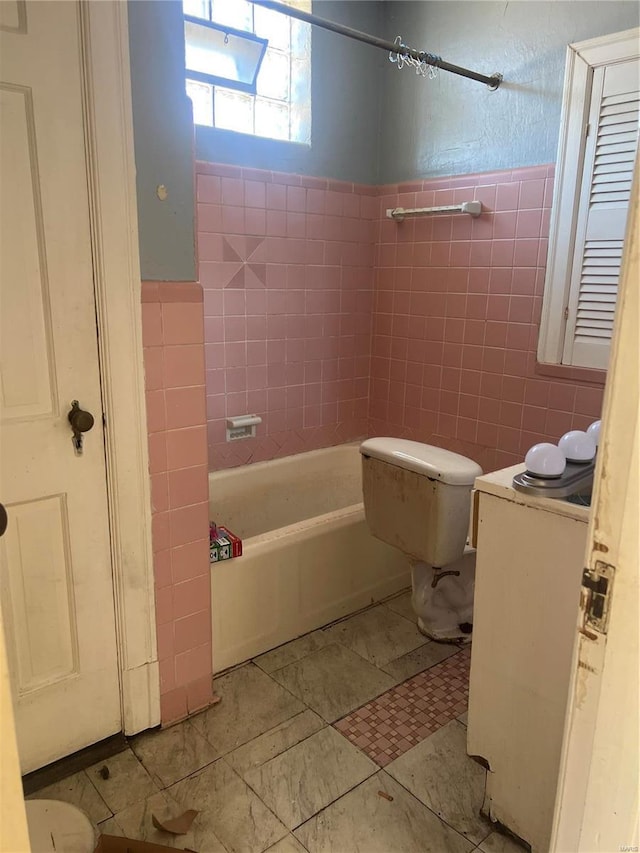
x,y
528,574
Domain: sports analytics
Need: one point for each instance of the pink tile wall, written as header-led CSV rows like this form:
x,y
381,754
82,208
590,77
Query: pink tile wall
x,y
456,317
173,338
286,265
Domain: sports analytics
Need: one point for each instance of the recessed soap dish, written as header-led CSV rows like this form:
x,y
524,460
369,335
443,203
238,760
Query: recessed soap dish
x,y
242,426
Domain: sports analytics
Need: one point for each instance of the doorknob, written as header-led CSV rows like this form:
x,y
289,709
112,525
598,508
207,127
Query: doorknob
x,y
3,520
81,422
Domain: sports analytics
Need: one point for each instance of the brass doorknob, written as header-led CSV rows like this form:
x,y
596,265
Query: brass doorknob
x,y
80,420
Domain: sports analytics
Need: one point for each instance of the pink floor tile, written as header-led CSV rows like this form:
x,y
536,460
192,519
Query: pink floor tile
x,y
407,714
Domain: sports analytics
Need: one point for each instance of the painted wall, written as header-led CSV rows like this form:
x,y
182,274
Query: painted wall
x,y
345,105
370,124
452,126
163,136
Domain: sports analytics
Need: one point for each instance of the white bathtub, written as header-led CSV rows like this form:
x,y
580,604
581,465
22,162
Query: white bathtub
x,y
308,557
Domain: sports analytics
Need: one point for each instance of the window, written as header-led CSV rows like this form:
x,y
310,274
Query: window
x,y
281,107
596,155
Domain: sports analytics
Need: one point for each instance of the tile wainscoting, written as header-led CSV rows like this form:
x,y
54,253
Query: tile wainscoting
x,y
332,322
286,263
173,337
456,319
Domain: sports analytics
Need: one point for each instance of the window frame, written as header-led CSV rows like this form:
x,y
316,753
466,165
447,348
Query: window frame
x,y
581,60
226,82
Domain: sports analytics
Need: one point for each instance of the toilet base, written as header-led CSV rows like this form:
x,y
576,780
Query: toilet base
x,y
447,636
443,598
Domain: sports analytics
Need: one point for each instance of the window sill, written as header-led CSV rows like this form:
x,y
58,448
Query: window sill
x,y
573,374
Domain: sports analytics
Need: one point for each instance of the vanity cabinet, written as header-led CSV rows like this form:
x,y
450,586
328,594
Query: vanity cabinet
x,y
530,555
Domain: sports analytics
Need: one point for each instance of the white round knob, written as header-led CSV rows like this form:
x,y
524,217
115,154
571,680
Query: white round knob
x,y
545,460
577,446
594,432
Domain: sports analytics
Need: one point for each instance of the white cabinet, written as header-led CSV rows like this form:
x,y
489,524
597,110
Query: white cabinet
x,y
528,574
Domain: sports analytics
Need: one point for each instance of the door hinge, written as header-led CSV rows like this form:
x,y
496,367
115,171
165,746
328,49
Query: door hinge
x,y
598,583
566,313
587,131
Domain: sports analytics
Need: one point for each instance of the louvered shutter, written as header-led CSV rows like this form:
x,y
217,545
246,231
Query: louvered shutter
x,y
609,157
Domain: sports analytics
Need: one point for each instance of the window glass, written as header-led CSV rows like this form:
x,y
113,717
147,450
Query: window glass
x,y
272,119
233,110
201,95
281,108
234,13
273,80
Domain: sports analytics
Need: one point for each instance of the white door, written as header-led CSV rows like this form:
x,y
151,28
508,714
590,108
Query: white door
x,y
597,806
55,571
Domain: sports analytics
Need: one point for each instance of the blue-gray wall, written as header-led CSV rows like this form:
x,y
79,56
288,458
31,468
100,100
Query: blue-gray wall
x,y
370,122
163,133
452,125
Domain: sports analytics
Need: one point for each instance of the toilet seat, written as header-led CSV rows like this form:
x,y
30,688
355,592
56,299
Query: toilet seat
x,y
60,827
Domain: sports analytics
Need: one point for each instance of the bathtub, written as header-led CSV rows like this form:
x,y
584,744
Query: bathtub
x,y
308,557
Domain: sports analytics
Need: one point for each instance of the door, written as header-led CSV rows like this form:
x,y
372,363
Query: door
x,y
13,820
55,569
599,788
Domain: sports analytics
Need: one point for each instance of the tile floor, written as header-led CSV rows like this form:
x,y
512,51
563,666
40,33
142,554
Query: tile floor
x,y
348,740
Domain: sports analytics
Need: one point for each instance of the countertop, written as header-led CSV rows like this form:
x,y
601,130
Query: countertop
x,y
500,484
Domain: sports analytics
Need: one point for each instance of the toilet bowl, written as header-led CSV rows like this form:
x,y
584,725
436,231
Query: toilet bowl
x,y
417,498
60,827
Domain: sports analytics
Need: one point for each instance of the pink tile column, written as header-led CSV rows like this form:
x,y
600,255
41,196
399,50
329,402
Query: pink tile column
x,y
456,320
173,338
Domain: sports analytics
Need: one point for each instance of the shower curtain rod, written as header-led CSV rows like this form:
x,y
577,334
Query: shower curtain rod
x,y
492,81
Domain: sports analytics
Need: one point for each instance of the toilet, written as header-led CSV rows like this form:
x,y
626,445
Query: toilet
x,y
60,827
417,498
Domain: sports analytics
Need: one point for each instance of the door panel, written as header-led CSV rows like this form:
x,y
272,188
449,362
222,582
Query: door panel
x,y
55,567
45,636
27,389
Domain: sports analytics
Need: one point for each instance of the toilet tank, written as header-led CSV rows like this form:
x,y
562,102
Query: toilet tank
x,y
417,497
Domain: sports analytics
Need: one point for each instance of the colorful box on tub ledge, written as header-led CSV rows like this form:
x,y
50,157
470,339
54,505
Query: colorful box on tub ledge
x,y
223,544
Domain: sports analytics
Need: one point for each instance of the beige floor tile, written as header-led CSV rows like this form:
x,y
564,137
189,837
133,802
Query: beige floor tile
x,y
401,605
109,827
265,747
364,822
128,782
299,782
378,635
136,822
333,681
250,704
289,844
440,774
229,809
79,791
499,843
293,651
419,659
464,718
174,753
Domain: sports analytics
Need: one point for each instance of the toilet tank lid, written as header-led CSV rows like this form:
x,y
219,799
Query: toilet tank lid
x,y
433,462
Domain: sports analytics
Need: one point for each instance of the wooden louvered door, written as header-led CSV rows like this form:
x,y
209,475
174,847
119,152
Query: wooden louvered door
x,y
609,157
